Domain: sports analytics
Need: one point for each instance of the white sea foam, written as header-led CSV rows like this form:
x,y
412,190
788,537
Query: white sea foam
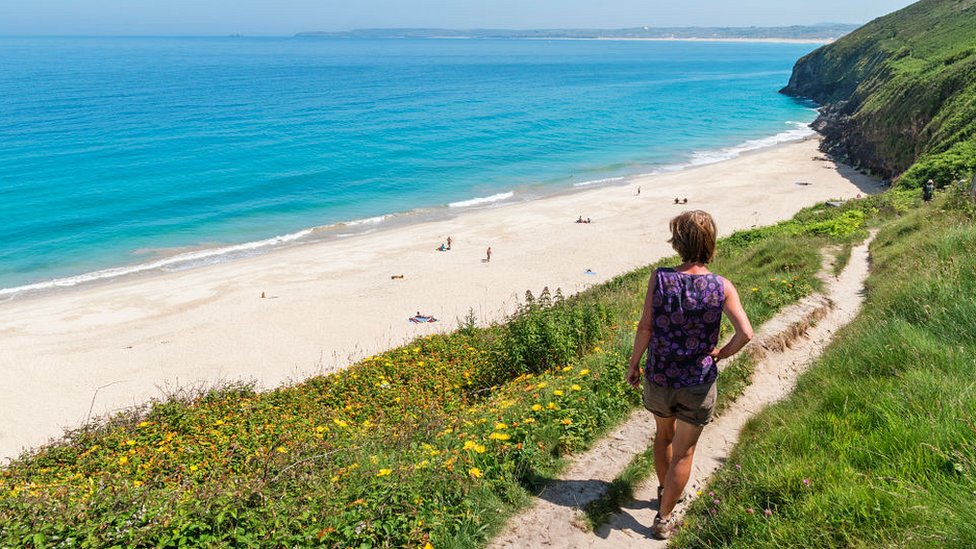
x,y
483,200
176,262
598,181
801,130
369,220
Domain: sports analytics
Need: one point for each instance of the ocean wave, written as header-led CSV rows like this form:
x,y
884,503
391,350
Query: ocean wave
x,y
482,200
598,181
174,263
368,220
801,130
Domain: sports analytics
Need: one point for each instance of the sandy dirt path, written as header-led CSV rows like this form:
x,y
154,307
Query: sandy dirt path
x,y
786,345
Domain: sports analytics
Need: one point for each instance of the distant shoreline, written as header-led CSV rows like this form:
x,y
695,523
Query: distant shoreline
x,y
803,34
737,40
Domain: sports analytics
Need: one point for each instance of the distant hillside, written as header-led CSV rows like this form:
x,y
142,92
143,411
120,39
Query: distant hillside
x,y
900,91
826,31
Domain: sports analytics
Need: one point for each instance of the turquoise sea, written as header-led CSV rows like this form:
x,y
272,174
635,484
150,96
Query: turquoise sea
x,y
120,155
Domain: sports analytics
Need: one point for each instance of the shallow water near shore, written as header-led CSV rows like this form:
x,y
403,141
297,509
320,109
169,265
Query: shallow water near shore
x,y
121,155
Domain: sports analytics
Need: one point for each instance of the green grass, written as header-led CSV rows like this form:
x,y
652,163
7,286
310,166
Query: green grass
x,y
435,442
877,446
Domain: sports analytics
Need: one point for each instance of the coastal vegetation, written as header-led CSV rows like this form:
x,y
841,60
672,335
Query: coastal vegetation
x,y
877,446
436,442
899,93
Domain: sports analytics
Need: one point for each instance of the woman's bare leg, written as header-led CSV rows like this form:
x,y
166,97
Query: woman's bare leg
x,y
662,447
682,452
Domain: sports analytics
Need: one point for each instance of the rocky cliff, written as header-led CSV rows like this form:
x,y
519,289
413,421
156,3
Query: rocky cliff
x,y
898,95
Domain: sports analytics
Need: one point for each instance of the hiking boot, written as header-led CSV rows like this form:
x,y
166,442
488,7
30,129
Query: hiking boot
x,y
662,529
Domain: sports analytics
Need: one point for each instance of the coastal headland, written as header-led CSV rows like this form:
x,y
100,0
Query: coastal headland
x,y
84,352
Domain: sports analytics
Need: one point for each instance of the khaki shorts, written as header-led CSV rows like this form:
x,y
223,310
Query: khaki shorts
x,y
692,405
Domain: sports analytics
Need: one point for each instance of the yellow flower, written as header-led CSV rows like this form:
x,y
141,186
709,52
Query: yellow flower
x,y
567,368
536,407
144,424
500,426
499,436
340,423
384,472
576,387
529,420
755,289
541,385
193,468
567,421
334,479
470,445
584,371
281,450
428,546
219,422
130,442
475,472
558,393
123,460
321,429
137,483
551,406
480,448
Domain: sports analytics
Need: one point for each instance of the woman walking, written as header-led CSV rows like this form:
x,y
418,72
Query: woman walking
x,y
679,329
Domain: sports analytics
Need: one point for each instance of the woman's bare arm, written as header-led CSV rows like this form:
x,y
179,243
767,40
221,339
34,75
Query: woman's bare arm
x,y
643,336
740,322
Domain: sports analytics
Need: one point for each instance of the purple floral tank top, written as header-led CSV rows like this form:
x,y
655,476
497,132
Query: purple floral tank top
x,y
687,315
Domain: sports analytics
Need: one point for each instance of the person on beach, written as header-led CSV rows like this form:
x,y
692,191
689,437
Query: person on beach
x,y
679,330
449,241
488,255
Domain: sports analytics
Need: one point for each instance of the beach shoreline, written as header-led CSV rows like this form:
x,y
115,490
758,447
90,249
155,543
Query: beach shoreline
x,y
159,261
103,347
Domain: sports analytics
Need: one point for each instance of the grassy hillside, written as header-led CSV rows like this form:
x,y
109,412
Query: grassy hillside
x,y
433,443
900,92
877,446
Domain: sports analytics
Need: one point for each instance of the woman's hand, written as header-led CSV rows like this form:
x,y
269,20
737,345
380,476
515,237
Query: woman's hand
x,y
634,376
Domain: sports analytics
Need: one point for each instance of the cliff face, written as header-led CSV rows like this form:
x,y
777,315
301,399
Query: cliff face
x,y
900,92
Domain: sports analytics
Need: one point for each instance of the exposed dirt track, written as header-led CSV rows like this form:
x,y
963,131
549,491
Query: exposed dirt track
x,y
785,346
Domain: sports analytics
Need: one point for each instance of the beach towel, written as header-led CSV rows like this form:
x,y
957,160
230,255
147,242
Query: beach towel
x,y
422,319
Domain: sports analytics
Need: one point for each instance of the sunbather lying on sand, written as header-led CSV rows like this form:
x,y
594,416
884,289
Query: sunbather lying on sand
x,y
419,318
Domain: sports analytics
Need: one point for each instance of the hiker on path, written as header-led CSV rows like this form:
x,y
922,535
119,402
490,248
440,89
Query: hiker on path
x,y
679,330
928,190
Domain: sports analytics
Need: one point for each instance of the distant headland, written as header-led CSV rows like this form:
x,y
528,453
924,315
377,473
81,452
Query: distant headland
x,y
819,33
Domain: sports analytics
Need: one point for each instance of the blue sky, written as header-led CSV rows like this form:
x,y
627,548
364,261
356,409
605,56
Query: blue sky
x,y
286,17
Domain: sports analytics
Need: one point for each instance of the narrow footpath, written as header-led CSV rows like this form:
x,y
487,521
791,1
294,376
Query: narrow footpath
x,y
785,346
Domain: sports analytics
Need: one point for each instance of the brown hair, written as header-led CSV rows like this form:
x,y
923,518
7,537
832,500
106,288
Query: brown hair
x,y
693,236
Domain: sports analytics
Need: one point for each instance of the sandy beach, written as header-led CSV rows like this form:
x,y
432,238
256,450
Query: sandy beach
x,y
88,351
